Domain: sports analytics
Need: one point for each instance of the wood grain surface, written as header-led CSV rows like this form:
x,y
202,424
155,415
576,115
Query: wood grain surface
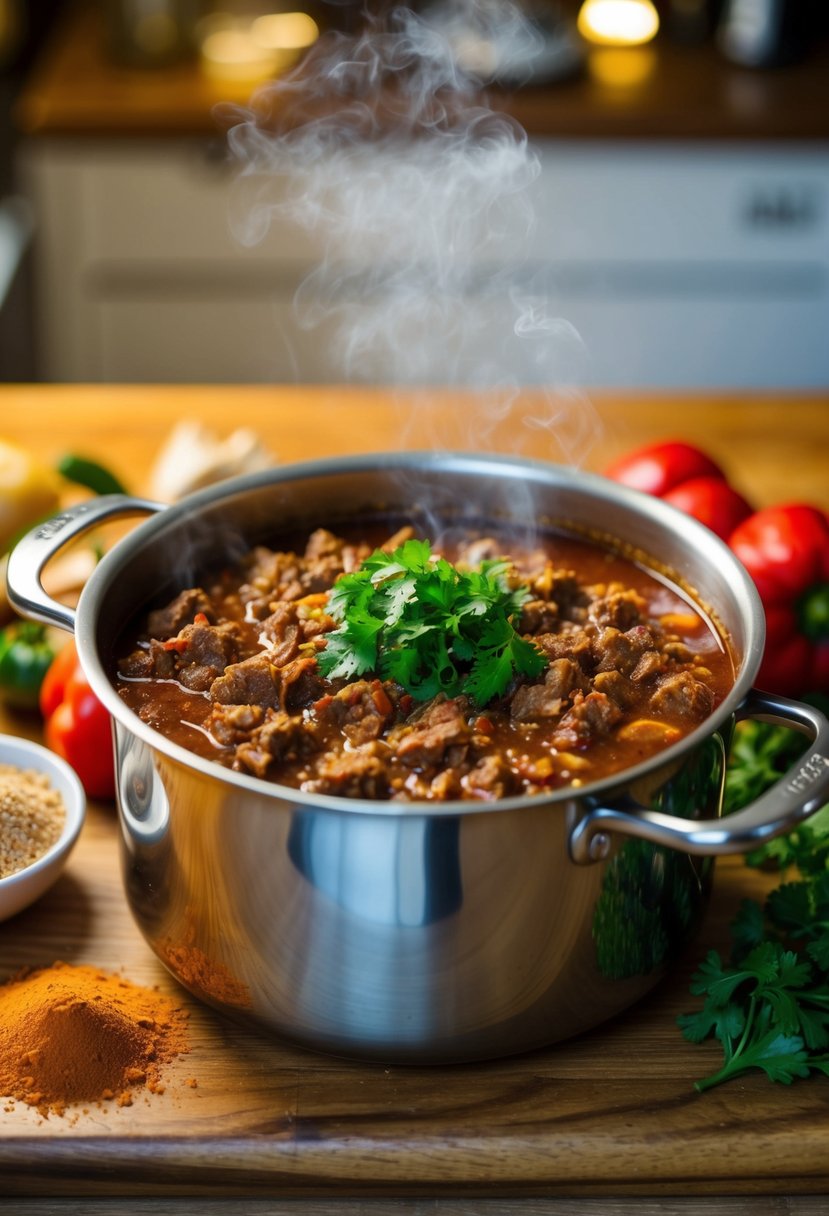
x,y
608,1122
676,92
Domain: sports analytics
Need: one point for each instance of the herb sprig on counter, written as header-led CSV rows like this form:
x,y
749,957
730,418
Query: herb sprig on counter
x,y
768,1005
415,618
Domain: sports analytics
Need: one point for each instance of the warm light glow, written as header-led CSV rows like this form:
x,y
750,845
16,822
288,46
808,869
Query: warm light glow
x,y
235,49
285,31
618,22
621,69
232,52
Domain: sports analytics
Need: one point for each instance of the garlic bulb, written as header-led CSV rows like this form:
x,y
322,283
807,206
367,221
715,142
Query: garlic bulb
x,y
194,456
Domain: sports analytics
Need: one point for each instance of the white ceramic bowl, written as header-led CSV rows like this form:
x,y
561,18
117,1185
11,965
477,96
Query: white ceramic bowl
x,y
19,890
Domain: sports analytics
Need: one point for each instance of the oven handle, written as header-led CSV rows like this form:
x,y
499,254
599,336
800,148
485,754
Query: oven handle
x,y
33,551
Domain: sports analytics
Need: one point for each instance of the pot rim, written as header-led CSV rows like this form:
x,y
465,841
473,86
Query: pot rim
x,y
664,515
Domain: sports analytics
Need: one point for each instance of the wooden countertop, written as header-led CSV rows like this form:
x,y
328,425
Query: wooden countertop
x,y
670,92
606,1123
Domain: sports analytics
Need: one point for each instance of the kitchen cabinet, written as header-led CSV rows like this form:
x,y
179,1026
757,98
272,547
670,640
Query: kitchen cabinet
x,y
688,255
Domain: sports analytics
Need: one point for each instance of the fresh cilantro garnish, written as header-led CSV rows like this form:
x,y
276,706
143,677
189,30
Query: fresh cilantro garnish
x,y
768,1009
760,754
769,1006
415,618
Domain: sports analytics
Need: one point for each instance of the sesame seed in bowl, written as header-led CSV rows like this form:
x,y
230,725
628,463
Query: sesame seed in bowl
x,y
42,808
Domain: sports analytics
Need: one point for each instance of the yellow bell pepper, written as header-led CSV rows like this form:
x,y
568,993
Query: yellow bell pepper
x,y
29,491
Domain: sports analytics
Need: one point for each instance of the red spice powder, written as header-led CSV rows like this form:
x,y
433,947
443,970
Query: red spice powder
x,y
73,1034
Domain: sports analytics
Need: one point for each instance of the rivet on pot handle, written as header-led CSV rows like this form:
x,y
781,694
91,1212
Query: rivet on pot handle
x,y
798,794
29,556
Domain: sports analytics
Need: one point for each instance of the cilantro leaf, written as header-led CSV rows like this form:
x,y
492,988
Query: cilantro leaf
x,y
760,754
748,928
769,1008
354,649
780,1056
432,628
726,1022
789,907
814,1026
818,951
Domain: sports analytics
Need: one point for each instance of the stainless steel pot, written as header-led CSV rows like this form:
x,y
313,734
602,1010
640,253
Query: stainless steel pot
x,y
418,932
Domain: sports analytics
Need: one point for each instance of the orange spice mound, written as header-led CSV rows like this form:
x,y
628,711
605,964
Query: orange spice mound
x,y
76,1034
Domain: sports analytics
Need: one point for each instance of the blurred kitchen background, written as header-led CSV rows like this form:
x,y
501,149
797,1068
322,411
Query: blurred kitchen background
x,y
682,209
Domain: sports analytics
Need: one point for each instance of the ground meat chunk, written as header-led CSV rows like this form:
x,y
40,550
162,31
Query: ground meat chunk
x,y
359,774
281,629
251,682
616,608
445,786
271,576
616,651
652,663
567,643
678,651
619,688
202,653
361,710
281,737
589,718
563,591
491,778
208,645
151,663
538,617
535,702
194,657
441,727
300,684
329,555
168,621
564,676
233,724
322,543
682,696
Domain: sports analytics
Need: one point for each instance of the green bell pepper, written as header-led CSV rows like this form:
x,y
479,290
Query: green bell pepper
x,y
26,654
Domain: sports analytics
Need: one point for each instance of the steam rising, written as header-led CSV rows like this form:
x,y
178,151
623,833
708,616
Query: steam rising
x,y
382,148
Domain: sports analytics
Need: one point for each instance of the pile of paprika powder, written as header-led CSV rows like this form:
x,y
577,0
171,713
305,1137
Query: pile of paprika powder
x,y
74,1034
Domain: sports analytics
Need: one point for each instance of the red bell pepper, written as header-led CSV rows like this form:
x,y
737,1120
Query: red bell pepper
x,y
77,726
786,551
685,476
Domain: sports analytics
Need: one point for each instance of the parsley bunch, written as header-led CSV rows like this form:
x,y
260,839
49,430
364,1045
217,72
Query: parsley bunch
x,y
416,619
769,1005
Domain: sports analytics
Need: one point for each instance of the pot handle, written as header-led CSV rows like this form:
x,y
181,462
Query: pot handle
x,y
798,794
28,557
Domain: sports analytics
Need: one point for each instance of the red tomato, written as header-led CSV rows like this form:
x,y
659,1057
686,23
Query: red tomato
x,y
786,551
77,726
54,682
712,501
660,467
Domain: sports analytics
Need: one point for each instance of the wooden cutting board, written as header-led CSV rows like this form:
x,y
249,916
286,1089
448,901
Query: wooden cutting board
x,y
613,1112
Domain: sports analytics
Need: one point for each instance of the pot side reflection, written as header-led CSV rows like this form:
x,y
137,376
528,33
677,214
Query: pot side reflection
x,y
420,937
